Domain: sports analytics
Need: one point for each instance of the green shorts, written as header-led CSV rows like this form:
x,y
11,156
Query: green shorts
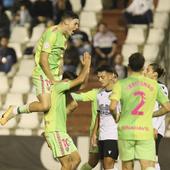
x,y
42,84
60,143
137,149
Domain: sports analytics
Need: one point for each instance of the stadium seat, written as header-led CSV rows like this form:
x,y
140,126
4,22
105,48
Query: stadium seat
x,y
87,31
29,121
151,52
156,36
4,132
76,5
88,19
19,35
18,49
23,132
163,6
83,148
127,50
161,20
13,99
93,5
4,86
167,134
20,84
29,65
135,36
36,34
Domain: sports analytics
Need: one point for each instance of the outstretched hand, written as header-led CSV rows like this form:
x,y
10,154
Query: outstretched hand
x,y
86,60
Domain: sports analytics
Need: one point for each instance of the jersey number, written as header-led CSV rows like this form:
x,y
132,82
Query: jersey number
x,y
136,110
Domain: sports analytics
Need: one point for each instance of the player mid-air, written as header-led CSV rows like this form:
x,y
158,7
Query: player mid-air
x,y
49,65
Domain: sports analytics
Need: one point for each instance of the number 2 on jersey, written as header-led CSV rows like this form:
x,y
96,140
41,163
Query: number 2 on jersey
x,y
136,110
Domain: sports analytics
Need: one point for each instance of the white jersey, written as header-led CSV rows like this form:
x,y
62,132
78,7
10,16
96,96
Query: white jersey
x,y
159,122
107,125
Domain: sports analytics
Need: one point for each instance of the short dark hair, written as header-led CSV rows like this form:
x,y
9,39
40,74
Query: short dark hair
x,y
68,15
136,62
158,69
107,69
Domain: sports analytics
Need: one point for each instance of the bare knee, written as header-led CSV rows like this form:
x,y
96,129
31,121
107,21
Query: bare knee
x,y
127,165
66,165
108,163
76,162
45,107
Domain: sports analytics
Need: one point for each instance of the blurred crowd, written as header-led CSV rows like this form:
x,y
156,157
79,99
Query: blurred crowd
x,y
103,46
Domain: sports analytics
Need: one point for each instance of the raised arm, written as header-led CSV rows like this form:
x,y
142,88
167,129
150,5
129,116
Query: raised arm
x,y
93,139
86,62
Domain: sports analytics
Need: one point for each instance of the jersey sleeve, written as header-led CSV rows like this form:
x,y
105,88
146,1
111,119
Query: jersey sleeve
x,y
161,97
48,41
61,87
116,92
86,96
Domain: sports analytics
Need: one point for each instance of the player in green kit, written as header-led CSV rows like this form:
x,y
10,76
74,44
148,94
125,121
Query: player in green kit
x,y
137,95
93,151
49,65
56,135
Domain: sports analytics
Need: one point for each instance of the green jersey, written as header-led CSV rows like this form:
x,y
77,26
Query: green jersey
x,y
92,97
137,95
53,42
55,119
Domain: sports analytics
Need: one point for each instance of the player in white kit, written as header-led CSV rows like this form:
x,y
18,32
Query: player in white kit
x,y
105,124
154,71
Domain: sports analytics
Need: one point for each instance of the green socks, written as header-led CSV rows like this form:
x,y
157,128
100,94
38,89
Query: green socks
x,y
86,166
23,109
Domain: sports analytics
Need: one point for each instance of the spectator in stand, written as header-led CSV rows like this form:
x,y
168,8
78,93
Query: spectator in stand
x,y
80,40
22,17
71,59
7,55
19,3
119,67
4,22
60,6
139,12
8,4
42,11
105,45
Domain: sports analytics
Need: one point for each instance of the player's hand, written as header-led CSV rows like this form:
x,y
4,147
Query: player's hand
x,y
155,131
86,60
93,140
53,82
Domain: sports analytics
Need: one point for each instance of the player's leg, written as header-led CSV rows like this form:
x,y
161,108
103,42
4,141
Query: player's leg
x,y
127,153
43,105
93,159
66,162
145,153
127,165
108,163
147,165
110,150
158,140
42,85
75,158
